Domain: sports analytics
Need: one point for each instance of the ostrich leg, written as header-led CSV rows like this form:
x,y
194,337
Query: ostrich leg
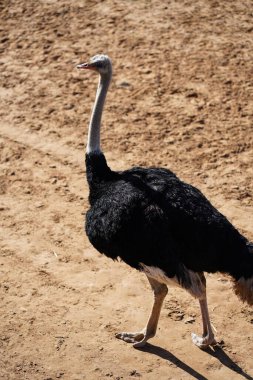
x,y
207,338
139,339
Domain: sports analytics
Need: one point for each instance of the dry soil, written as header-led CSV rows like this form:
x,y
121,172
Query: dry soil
x,y
182,98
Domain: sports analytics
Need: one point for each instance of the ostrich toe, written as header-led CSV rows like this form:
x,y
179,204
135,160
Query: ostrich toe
x,y
138,339
203,341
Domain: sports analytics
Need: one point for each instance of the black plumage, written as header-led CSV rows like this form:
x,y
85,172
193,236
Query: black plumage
x,y
150,216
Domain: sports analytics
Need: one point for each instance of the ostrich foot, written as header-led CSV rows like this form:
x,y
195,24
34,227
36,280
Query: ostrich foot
x,y
138,339
204,341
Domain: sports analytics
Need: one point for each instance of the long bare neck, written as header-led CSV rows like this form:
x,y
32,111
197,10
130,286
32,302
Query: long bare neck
x,y
93,143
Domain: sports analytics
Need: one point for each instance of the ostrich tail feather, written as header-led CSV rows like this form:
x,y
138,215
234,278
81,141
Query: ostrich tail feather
x,y
243,288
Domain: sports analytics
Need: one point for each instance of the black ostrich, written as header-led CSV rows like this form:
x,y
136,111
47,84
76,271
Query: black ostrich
x,y
159,225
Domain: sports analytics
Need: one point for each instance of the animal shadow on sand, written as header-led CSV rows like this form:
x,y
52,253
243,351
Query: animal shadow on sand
x,y
216,352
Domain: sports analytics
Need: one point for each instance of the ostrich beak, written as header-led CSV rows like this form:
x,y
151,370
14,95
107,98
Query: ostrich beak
x,y
85,66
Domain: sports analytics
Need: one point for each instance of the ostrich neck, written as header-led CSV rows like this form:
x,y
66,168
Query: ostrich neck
x,y
93,143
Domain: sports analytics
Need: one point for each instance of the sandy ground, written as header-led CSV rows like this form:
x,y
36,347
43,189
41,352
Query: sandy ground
x,y
181,97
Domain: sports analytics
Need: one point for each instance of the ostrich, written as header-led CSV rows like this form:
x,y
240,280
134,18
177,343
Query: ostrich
x,y
159,225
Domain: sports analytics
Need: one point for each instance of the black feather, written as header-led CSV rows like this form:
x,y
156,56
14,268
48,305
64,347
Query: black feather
x,y
150,216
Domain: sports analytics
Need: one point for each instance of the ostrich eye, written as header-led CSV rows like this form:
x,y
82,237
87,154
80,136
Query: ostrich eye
x,y
99,64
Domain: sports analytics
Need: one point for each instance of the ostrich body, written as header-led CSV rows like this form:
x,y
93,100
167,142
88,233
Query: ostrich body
x,y
159,225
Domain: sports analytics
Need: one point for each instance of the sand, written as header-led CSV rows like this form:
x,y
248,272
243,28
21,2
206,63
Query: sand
x,y
182,98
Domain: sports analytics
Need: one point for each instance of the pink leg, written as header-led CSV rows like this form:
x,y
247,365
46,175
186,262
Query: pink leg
x,y
207,338
139,339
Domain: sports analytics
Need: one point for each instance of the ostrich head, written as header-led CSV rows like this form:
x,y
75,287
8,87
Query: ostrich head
x,y
100,63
